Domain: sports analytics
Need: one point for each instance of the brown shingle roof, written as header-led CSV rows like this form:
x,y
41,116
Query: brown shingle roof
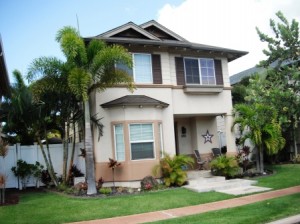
x,y
134,100
165,37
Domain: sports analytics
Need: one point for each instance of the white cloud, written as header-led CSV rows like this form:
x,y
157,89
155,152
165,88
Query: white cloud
x,y
229,24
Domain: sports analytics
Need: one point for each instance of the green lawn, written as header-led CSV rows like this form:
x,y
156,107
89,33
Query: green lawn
x,y
56,208
284,176
260,212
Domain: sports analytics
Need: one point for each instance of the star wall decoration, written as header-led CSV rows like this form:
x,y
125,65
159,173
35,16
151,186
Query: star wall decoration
x,y
207,137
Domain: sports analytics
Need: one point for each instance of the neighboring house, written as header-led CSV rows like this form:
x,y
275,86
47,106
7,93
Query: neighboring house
x,y
237,78
182,87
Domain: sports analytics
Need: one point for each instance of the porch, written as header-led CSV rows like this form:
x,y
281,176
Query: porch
x,y
202,133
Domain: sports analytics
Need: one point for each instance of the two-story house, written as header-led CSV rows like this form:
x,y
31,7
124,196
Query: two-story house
x,y
182,87
4,79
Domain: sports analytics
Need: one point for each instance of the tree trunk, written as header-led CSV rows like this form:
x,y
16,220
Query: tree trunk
x,y
52,175
65,152
72,153
257,160
295,142
50,168
88,146
261,158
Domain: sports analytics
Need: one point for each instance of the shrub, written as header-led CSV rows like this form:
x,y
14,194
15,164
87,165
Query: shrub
x,y
23,170
105,190
171,169
45,178
99,183
148,183
113,164
62,187
243,158
74,172
224,166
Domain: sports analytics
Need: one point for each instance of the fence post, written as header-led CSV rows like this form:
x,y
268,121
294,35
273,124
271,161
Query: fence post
x,y
18,153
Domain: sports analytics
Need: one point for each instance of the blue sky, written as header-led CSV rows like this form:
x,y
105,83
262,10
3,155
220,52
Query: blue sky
x,y
28,27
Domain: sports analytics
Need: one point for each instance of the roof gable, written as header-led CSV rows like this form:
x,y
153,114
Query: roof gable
x,y
129,30
154,34
160,31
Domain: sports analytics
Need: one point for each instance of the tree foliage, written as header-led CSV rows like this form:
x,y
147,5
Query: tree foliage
x,y
92,68
282,85
258,123
284,46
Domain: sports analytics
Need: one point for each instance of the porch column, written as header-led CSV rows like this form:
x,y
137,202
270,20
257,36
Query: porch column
x,y
230,135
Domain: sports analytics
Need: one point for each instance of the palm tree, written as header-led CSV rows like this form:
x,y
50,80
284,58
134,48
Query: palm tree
x,y
92,68
50,76
18,111
27,119
258,123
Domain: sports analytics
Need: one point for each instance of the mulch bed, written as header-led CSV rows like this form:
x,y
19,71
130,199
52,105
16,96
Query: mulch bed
x,y
12,195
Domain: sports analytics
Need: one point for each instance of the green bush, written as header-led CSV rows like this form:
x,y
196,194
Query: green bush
x,y
224,166
105,190
172,169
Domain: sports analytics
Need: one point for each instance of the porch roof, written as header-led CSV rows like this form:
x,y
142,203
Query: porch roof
x,y
134,100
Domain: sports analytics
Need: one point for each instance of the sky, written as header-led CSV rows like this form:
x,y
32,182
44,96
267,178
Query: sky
x,y
28,27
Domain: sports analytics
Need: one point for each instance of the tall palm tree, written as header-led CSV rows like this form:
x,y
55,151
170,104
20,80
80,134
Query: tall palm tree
x,y
92,68
258,123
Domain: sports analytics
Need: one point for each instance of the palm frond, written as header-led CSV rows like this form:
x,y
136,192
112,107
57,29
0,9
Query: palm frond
x,y
72,45
45,66
107,58
79,81
97,122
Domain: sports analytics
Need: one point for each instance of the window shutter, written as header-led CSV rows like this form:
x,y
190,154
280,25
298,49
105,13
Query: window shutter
x,y
218,72
179,71
156,69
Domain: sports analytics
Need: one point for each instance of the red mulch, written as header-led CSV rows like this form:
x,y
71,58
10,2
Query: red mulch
x,y
12,195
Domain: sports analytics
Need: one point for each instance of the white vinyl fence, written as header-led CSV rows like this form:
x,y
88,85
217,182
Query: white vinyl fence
x,y
33,153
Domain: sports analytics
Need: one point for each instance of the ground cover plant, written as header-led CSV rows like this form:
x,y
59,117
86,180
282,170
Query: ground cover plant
x,y
50,207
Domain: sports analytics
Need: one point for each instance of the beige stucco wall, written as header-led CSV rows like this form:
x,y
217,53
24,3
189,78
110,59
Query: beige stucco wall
x,y
196,112
184,103
133,114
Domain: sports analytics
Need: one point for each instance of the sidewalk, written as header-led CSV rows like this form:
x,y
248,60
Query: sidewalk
x,y
197,209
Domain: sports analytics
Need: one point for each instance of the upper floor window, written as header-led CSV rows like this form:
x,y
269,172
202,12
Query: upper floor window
x,y
142,68
199,71
146,68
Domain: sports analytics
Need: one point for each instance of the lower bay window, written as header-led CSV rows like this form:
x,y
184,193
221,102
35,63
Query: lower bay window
x,y
119,142
140,139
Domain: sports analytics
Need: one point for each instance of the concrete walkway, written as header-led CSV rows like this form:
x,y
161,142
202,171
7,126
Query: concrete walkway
x,y
197,209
